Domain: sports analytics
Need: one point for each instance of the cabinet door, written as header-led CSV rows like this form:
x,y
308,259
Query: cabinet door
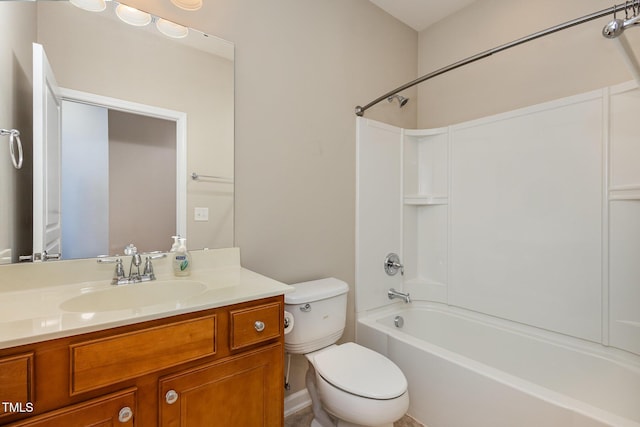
x,y
16,379
245,390
115,409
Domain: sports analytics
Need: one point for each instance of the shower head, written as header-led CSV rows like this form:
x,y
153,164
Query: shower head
x,y
613,29
617,26
401,99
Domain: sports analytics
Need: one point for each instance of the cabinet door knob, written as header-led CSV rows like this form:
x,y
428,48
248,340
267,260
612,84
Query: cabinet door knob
x,y
125,414
259,326
171,396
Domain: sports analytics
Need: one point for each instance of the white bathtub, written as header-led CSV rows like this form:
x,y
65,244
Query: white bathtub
x,y
469,370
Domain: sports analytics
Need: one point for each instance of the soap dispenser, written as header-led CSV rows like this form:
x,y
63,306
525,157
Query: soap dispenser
x,y
182,259
175,245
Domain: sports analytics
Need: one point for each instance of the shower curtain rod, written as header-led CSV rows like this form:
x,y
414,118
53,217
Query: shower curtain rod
x,y
616,8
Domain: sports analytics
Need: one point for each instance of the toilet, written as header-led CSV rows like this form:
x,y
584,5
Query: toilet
x,y
350,385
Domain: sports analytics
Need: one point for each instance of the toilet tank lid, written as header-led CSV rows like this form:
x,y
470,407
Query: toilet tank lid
x,y
315,290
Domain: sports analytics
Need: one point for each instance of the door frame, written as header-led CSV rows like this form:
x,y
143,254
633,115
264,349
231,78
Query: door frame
x,y
47,220
180,119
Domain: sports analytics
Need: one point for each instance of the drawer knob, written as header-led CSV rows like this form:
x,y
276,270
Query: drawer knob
x,y
259,326
171,397
125,414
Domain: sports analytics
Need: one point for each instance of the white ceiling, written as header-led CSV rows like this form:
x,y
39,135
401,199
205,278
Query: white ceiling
x,y
419,14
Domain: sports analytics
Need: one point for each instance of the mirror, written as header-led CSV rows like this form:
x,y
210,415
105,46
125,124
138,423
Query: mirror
x,y
95,55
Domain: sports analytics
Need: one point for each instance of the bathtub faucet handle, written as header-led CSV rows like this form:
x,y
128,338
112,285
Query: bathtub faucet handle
x,y
392,265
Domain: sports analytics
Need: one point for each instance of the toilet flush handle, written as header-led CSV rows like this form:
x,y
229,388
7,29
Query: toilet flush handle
x,y
305,308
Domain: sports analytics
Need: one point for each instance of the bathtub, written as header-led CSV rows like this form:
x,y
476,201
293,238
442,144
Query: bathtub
x,y
470,370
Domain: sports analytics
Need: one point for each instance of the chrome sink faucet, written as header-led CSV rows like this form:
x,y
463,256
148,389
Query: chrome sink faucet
x,y
134,268
136,260
392,293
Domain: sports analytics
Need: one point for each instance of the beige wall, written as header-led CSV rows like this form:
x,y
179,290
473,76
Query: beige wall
x,y
566,63
17,32
142,183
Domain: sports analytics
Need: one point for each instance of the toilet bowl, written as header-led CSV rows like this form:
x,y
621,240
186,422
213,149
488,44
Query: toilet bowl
x,y
350,385
359,386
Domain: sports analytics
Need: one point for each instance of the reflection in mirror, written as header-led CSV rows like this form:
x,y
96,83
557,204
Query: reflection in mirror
x,y
103,183
95,53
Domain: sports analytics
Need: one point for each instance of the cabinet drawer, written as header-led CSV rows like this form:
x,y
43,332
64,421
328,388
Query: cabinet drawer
x,y
256,324
16,379
106,361
117,409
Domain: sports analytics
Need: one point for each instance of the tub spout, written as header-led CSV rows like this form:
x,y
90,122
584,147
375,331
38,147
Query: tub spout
x,y
397,294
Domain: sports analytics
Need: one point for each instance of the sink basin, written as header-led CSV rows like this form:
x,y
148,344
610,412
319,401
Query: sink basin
x,y
133,296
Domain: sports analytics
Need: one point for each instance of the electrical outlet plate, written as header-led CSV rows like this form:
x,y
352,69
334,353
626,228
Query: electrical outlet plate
x,y
201,214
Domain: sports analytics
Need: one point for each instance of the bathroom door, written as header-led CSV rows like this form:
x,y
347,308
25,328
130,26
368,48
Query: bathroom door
x,y
46,159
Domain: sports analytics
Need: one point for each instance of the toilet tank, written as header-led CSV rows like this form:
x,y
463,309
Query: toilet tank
x,y
319,310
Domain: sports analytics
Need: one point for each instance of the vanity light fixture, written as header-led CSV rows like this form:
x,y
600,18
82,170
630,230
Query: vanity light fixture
x,y
133,16
90,5
138,18
189,5
171,29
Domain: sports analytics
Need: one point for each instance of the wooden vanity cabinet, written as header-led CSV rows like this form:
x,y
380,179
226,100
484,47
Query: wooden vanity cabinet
x,y
243,390
222,366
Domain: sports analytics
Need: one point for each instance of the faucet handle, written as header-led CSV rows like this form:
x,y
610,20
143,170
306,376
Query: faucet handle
x,y
148,268
392,265
119,274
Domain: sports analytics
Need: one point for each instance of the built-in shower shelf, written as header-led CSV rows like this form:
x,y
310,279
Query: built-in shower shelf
x,y
425,199
624,192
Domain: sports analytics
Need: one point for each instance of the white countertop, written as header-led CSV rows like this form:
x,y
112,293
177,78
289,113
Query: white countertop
x,y
38,314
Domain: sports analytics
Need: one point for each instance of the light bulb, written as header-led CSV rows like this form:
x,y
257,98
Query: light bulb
x,y
133,16
188,4
171,29
90,5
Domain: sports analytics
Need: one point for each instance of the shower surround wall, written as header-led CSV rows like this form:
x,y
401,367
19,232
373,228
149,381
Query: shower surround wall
x,y
529,216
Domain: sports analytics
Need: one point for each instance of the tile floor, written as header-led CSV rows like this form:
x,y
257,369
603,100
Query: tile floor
x,y
303,419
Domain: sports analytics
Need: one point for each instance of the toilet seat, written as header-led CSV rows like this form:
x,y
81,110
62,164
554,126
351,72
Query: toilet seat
x,y
360,371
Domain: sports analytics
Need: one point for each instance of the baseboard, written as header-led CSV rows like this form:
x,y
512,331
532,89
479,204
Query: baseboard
x,y
296,402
